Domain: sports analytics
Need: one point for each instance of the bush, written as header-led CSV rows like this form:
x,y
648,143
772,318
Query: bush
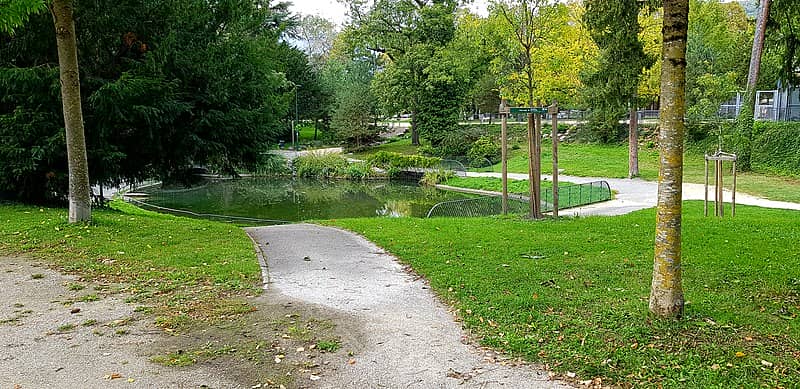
x,y
776,148
269,164
435,177
359,171
315,165
387,160
485,151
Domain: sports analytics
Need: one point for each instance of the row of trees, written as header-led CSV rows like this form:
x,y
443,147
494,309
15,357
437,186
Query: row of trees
x,y
164,85
436,61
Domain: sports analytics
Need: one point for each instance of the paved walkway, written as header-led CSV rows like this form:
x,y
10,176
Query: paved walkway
x,y
635,194
409,339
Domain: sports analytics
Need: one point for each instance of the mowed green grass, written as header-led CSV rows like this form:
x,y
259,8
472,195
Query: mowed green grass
x,y
178,267
595,160
573,293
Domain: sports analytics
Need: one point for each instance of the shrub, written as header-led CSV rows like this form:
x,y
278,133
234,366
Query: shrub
x,y
387,160
359,171
776,148
485,151
315,165
435,177
269,164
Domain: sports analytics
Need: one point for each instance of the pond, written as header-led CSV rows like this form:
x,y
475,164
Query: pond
x,y
298,200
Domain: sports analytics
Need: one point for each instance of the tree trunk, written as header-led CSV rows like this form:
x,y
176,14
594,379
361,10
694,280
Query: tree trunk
x,y
80,207
537,163
744,121
532,207
666,293
414,133
758,44
633,143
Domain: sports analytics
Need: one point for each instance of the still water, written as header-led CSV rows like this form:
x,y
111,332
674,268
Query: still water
x,y
297,200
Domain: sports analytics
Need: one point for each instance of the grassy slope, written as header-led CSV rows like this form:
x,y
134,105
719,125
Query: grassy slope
x,y
580,304
179,267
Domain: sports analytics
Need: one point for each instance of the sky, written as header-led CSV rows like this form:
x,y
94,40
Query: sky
x,y
335,11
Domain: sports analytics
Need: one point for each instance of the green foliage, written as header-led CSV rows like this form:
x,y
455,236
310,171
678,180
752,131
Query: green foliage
x,y
170,84
435,177
717,55
32,145
14,13
271,165
312,165
359,171
776,148
611,89
388,160
573,293
485,151
424,72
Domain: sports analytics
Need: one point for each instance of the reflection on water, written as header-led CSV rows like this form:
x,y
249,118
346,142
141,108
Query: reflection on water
x,y
297,200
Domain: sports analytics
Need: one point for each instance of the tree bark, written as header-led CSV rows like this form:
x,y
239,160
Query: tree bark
x,y
80,207
633,143
758,44
745,119
414,132
666,293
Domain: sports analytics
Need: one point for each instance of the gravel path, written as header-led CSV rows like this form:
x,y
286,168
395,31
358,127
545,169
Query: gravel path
x,y
635,194
52,337
408,338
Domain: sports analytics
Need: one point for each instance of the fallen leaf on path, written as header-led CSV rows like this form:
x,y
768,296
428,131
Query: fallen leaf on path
x,y
113,376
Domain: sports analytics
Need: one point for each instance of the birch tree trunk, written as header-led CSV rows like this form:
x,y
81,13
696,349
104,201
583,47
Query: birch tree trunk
x,y
80,207
666,293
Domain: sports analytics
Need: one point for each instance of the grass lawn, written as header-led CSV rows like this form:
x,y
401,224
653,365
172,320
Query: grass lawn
x,y
573,293
179,268
594,160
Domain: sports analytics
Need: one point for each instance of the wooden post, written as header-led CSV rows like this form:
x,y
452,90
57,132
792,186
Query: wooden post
x,y
720,188
553,111
532,168
537,178
705,191
504,111
733,195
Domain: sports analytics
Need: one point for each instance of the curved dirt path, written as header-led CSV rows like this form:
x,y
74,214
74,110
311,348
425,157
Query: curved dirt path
x,y
407,338
635,194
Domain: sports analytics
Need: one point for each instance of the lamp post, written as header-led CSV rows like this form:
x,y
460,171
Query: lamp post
x,y
294,122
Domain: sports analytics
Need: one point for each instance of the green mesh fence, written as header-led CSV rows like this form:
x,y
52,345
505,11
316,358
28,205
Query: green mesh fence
x,y
568,197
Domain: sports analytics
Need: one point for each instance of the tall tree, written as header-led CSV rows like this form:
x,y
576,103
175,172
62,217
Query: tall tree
x,y
15,13
531,23
80,202
745,120
716,55
612,86
411,34
318,35
666,293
